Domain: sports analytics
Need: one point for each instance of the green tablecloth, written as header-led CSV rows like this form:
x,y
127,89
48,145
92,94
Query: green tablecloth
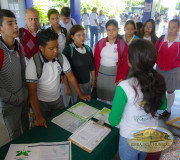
x,y
104,151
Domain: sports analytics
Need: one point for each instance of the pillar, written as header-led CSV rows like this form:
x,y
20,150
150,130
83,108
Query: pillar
x,y
75,6
29,4
149,10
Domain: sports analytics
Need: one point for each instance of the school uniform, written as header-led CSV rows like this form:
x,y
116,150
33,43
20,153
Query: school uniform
x,y
109,68
133,38
93,29
85,18
48,85
168,62
102,23
82,63
69,24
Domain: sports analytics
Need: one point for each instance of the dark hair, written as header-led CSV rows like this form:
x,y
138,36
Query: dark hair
x,y
138,31
142,56
76,28
5,13
65,11
46,36
52,11
153,32
112,22
130,22
176,21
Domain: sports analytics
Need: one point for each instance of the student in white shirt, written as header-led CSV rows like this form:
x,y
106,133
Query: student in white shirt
x,y
65,18
102,23
44,89
86,20
94,27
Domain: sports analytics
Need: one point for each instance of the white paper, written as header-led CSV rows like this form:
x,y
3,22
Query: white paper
x,y
90,135
68,121
83,110
103,115
40,151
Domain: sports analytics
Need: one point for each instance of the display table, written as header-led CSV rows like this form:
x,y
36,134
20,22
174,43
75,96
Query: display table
x,y
104,151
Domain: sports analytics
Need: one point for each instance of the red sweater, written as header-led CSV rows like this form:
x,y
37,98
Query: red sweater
x,y
168,58
122,69
30,44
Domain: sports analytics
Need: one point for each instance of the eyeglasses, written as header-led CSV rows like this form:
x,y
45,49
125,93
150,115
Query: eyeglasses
x,y
148,27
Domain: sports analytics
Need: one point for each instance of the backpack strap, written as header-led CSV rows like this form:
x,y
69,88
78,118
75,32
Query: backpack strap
x,y
39,64
60,60
101,43
72,23
20,51
1,58
87,47
161,38
71,50
21,34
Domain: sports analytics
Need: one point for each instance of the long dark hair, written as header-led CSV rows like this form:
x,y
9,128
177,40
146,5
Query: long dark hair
x,y
153,32
76,28
142,56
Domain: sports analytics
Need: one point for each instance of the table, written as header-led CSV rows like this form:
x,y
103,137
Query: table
x,y
104,151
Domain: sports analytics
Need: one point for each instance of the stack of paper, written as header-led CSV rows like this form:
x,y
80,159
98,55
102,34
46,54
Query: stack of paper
x,y
40,151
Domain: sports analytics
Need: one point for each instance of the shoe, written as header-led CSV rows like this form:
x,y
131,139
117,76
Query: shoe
x,y
165,115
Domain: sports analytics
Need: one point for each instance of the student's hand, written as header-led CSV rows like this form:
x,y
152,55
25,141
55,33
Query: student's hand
x,y
41,122
85,97
119,81
68,91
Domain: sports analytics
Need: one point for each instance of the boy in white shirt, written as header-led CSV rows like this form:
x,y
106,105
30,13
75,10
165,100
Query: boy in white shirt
x,y
85,18
44,86
65,18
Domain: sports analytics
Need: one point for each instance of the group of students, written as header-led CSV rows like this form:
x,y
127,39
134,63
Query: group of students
x,y
97,24
58,63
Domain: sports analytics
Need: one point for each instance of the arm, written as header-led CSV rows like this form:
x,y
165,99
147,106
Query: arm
x,y
93,81
75,84
40,121
119,103
164,105
66,85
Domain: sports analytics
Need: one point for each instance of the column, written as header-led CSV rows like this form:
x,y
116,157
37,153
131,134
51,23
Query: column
x,y
29,4
149,10
75,6
130,5
159,6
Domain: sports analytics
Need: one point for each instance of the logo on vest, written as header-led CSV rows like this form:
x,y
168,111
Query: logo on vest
x,y
150,139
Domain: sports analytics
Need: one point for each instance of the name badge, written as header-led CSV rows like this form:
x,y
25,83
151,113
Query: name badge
x,y
115,50
59,69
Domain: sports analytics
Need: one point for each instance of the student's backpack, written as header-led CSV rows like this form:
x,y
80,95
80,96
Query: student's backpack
x,y
122,45
39,64
71,49
2,56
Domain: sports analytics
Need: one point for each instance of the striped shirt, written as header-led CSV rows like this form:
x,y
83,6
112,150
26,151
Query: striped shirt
x,y
12,75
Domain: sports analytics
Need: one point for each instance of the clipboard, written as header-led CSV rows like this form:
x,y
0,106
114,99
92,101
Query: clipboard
x,y
86,142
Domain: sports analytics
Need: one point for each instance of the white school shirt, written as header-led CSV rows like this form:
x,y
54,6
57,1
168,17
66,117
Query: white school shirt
x,y
170,43
48,86
109,55
93,16
134,115
68,25
149,38
85,18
